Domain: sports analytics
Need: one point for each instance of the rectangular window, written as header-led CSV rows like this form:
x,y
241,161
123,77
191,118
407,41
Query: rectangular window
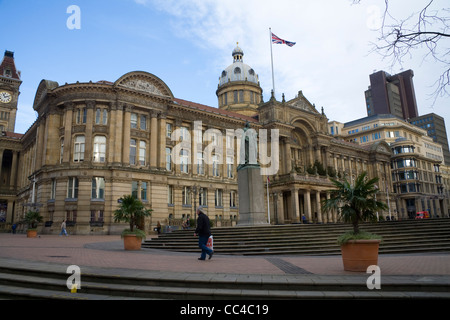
x,y
170,195
142,150
78,154
200,163
71,215
99,152
232,199
53,189
72,188
169,129
186,196
98,188
218,198
134,189
184,160
61,151
168,159
143,190
230,167
143,122
132,151
216,165
98,113
134,119
105,116
202,197
96,215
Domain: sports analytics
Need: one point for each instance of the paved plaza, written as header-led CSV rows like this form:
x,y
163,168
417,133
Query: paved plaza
x,y
108,252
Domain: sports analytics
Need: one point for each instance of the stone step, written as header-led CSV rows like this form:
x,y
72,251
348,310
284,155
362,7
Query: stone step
x,y
22,283
398,237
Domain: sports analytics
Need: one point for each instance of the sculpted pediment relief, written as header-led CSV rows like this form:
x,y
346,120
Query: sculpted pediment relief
x,y
142,85
144,82
302,104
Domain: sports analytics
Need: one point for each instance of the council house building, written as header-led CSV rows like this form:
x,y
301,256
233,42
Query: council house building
x,y
93,142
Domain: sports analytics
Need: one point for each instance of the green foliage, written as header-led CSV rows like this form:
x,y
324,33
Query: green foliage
x,y
362,235
139,233
355,202
33,218
331,171
317,168
131,210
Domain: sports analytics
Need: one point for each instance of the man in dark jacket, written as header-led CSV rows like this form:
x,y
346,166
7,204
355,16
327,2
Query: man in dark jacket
x,y
203,232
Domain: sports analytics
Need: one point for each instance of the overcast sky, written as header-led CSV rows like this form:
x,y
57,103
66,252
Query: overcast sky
x,y
187,44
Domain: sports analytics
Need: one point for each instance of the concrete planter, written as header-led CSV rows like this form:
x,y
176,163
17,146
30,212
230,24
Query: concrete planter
x,y
132,242
31,233
358,255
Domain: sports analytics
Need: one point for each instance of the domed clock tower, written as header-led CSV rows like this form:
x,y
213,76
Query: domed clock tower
x,y
9,92
238,88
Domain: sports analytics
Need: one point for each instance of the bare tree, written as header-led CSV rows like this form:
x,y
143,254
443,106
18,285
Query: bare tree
x,y
427,31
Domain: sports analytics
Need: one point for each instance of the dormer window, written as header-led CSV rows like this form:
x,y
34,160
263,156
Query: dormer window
x,y
237,70
8,73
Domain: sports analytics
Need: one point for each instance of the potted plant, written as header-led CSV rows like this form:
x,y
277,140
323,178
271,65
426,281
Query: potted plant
x,y
356,202
131,210
32,218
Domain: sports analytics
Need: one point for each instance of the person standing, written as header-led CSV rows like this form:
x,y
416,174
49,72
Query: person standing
x,y
203,232
63,228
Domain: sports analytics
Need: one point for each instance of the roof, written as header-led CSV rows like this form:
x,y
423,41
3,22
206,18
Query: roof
x,y
8,64
218,111
12,135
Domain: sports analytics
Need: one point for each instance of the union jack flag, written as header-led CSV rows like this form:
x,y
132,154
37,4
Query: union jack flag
x,y
278,40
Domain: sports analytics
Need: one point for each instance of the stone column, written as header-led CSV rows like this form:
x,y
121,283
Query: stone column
x,y
68,131
13,177
126,135
153,139
307,198
90,105
162,142
318,207
295,205
287,156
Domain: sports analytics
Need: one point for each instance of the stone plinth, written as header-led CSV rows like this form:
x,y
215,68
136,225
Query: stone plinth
x,y
251,196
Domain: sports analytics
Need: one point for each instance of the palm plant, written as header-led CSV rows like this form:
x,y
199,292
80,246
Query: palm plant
x,y
131,210
355,202
33,218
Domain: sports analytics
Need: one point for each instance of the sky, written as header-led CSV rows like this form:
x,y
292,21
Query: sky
x,y
187,44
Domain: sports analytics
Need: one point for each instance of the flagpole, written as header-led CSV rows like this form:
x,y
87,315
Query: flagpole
x,y
271,58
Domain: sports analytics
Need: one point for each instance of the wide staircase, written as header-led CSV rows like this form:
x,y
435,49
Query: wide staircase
x,y
408,236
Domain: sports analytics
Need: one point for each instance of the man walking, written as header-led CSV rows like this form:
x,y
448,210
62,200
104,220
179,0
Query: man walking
x,y
203,232
63,228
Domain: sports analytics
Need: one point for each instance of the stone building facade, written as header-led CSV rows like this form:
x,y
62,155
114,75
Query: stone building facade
x,y
418,179
94,142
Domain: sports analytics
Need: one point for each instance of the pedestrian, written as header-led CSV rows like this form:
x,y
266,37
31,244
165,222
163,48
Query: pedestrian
x,y
63,228
14,227
158,227
203,232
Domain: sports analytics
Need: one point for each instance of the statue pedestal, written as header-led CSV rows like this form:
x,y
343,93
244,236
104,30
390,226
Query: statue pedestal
x,y
252,210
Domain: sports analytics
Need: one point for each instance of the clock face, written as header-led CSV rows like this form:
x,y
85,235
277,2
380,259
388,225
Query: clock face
x,y
5,97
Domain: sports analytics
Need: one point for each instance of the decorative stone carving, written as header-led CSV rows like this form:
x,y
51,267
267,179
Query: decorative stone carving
x,y
142,85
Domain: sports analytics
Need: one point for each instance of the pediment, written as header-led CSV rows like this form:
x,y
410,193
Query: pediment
x,y
301,103
144,82
44,87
